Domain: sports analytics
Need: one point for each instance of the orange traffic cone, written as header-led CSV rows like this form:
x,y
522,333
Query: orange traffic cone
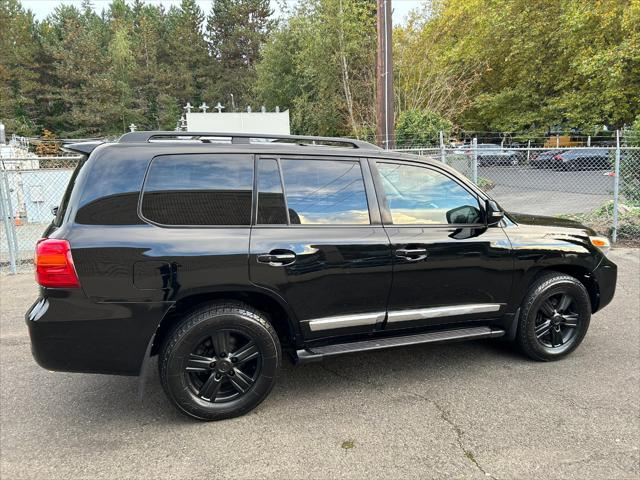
x,y
18,220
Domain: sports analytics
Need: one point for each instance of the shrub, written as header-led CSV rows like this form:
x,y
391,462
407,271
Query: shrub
x,y
630,166
420,128
601,220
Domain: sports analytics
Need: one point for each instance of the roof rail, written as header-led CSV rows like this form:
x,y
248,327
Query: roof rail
x,y
245,138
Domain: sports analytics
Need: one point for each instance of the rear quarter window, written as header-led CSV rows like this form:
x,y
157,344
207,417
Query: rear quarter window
x,y
64,202
199,190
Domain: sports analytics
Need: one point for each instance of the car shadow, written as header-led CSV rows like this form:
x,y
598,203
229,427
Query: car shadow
x,y
102,399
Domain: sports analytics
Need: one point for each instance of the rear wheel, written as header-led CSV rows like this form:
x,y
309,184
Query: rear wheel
x,y
220,362
554,317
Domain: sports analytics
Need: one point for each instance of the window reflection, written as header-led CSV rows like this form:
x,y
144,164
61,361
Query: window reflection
x,y
199,190
325,192
421,196
271,207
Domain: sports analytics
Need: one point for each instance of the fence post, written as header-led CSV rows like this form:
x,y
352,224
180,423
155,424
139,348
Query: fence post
x,y
474,160
9,225
616,189
528,151
443,154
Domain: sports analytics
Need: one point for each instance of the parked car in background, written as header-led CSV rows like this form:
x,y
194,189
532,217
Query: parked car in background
x,y
492,154
583,159
544,159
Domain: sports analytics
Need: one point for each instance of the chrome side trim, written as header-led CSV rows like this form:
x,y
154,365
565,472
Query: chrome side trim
x,y
435,312
344,321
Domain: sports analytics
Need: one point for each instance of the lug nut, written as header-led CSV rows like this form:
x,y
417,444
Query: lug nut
x,y
223,354
232,373
212,365
234,360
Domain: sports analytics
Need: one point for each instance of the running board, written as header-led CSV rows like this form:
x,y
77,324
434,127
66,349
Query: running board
x,y
314,354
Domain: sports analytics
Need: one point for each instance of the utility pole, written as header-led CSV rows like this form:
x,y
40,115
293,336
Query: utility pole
x,y
384,71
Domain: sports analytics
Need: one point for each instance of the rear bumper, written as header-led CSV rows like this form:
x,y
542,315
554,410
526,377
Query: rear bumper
x,y
72,334
605,274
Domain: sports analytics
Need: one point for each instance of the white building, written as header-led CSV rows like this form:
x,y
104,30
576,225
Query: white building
x,y
262,122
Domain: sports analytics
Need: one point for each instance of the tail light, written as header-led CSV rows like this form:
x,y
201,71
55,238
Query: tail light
x,y
558,158
54,264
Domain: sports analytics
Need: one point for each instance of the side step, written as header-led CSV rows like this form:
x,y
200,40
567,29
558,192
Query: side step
x,y
318,353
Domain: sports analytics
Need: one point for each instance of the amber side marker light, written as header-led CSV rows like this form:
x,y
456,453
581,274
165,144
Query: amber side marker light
x,y
54,264
601,242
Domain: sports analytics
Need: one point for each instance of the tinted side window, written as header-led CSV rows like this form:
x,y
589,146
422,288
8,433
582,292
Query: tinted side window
x,y
271,206
325,192
418,195
199,190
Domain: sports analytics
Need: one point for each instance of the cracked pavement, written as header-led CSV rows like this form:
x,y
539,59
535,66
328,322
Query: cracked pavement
x,y
464,410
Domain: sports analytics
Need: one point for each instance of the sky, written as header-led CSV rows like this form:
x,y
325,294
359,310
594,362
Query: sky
x,y
42,8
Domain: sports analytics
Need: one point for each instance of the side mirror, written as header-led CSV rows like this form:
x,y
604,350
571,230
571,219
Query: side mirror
x,y
494,213
465,214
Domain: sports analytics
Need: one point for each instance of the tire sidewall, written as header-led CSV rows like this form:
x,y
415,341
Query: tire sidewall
x,y
174,356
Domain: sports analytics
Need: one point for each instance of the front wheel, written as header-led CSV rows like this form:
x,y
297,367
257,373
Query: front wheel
x,y
220,362
554,317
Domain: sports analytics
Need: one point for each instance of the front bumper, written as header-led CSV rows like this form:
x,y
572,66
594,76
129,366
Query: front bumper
x,y
605,275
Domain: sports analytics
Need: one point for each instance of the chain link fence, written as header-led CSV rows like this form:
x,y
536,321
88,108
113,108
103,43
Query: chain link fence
x,y
598,186
29,190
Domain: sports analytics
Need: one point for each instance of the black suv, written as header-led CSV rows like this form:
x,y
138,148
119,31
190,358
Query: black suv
x,y
218,253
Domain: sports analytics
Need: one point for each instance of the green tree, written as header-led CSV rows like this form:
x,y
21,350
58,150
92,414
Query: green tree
x,y
19,62
236,31
185,53
420,128
320,63
534,65
79,96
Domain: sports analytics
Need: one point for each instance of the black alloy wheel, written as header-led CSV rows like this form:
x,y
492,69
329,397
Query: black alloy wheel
x,y
223,366
554,317
220,361
557,321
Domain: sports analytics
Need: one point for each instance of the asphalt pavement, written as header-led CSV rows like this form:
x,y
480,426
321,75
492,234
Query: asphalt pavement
x,y
468,410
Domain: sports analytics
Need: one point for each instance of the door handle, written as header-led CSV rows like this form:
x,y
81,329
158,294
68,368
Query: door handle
x,y
277,258
412,254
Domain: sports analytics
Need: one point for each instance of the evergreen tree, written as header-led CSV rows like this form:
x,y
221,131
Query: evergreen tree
x,y
19,58
153,99
186,52
236,31
79,98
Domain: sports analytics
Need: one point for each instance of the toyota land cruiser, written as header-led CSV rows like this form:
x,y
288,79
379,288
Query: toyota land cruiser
x,y
219,252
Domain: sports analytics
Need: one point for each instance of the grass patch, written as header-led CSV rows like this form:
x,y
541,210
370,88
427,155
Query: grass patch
x,y
601,220
486,184
348,444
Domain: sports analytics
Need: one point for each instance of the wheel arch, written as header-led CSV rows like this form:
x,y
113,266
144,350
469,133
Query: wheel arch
x,y
580,273
275,309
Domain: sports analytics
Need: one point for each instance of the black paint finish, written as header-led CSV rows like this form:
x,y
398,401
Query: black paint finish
x,y
133,274
337,270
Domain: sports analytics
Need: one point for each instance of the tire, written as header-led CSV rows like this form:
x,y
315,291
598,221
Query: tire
x,y
208,383
543,335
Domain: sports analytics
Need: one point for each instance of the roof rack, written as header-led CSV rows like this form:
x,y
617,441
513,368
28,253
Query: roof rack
x,y
244,139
